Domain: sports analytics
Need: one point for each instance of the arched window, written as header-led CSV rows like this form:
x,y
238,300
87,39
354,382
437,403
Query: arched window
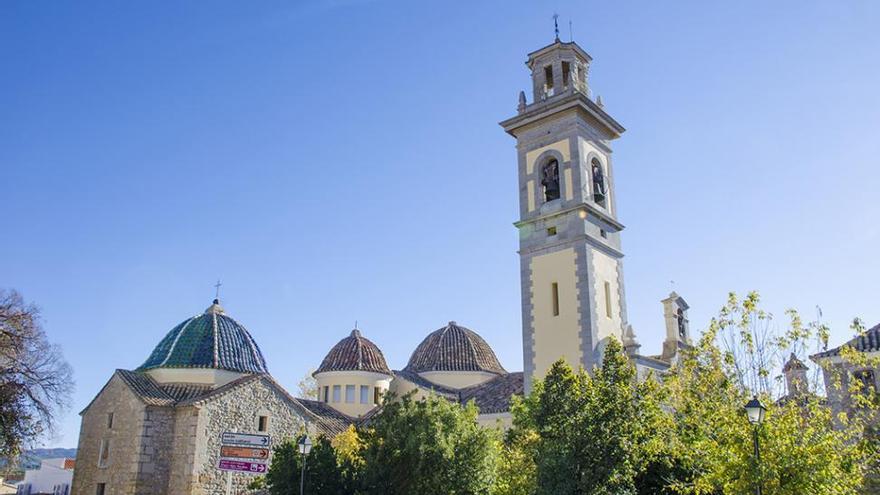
x,y
599,190
550,179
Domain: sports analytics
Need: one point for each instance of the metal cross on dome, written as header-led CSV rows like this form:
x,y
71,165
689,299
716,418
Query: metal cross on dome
x,y
217,286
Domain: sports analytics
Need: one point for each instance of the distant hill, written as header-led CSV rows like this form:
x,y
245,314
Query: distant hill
x,y
30,459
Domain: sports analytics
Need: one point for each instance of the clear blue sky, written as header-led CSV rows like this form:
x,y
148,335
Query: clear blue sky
x,y
341,160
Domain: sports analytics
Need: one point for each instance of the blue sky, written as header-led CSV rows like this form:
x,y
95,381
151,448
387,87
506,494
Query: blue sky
x,y
340,161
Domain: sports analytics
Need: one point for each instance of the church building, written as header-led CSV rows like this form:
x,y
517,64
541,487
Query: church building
x,y
156,429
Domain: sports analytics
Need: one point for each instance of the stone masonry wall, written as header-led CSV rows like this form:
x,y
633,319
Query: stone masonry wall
x,y
238,411
124,461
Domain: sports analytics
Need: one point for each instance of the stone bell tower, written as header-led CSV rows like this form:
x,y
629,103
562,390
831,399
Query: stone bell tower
x,y
570,256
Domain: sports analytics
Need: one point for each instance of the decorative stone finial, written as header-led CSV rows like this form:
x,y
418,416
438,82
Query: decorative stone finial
x,y
521,107
599,101
215,307
356,333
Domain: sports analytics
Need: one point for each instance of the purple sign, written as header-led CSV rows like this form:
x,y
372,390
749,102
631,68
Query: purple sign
x,y
241,466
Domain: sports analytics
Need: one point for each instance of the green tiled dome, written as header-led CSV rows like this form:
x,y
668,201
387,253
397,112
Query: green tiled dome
x,y
209,340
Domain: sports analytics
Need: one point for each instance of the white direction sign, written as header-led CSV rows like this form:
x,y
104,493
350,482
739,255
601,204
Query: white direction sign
x,y
245,439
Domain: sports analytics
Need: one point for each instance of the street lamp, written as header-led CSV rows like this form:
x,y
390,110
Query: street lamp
x,y
305,446
755,411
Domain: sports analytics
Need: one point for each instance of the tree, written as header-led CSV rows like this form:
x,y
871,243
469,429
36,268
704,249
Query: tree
x,y
35,381
431,447
804,447
323,474
593,434
308,386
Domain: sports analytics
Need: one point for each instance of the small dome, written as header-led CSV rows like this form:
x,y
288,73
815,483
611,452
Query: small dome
x,y
354,353
209,340
454,348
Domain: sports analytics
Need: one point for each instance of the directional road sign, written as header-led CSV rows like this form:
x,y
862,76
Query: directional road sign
x,y
245,439
244,452
242,467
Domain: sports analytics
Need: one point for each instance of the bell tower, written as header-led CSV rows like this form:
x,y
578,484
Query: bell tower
x,y
570,255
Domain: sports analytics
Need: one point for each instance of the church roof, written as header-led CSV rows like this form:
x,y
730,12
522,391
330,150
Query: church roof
x,y
495,395
355,353
454,348
209,340
866,342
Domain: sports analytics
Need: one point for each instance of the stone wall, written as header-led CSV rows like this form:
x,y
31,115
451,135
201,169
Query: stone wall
x,y
121,472
238,411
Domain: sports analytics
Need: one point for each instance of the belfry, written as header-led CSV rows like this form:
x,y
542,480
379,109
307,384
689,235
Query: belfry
x,y
571,259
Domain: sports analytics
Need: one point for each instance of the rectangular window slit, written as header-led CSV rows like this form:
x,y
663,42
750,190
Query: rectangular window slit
x,y
377,395
551,231
349,394
608,299
603,233
109,421
566,69
326,394
555,294
337,393
263,423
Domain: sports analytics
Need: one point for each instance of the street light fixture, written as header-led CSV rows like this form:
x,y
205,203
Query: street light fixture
x,y
755,411
305,446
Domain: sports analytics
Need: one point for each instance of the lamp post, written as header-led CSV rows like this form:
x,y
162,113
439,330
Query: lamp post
x,y
755,411
305,446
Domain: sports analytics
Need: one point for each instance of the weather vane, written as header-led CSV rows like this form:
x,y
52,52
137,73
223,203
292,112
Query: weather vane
x,y
556,25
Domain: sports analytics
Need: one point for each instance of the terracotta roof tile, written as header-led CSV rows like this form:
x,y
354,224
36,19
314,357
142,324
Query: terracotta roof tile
x,y
454,348
354,353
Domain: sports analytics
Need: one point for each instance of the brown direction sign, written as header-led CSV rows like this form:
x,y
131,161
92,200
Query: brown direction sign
x,y
244,452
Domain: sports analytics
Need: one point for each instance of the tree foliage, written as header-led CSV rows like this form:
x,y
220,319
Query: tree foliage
x,y
805,448
594,434
431,446
323,474
35,381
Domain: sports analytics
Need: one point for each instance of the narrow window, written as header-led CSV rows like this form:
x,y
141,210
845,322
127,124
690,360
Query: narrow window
x,y
337,393
551,231
109,420
608,299
104,453
349,394
326,394
603,233
377,395
566,69
554,289
101,487
263,423
548,77
365,394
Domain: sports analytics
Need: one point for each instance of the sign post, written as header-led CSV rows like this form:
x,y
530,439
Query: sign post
x,y
243,453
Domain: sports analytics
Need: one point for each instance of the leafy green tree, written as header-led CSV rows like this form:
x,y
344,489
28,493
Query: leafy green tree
x,y
805,448
430,447
323,475
595,434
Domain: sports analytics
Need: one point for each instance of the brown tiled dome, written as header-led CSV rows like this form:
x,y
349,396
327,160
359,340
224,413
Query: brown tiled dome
x,y
354,353
454,348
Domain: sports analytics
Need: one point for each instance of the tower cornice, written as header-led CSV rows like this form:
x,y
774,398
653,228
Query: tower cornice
x,y
574,99
588,208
